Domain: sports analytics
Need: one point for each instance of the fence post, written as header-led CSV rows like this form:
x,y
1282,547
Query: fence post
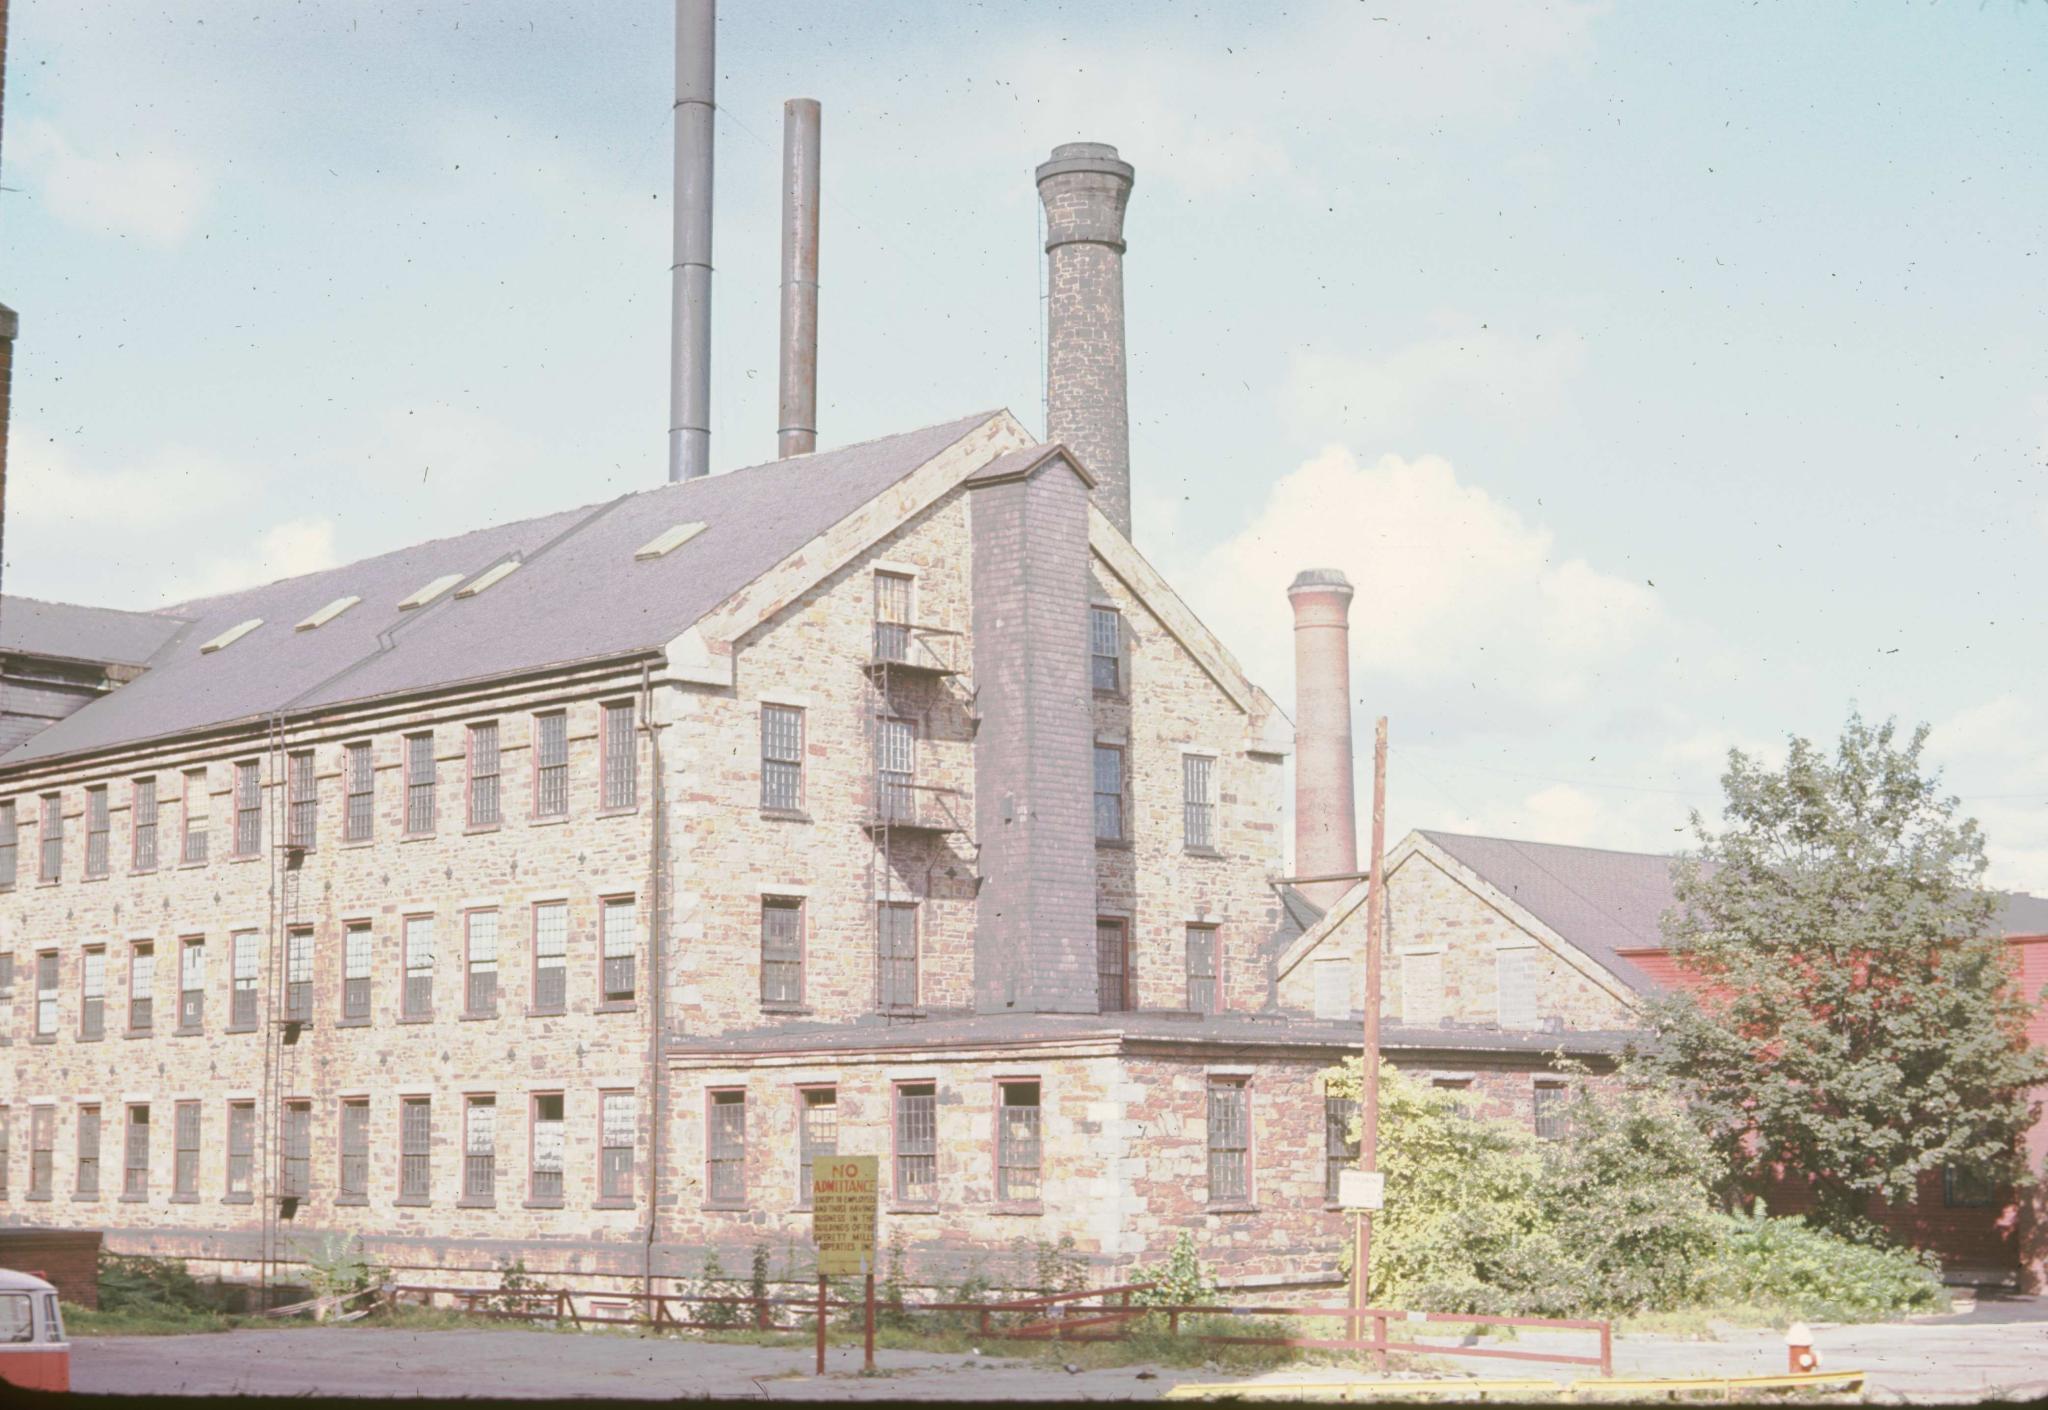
x,y
1607,1349
1173,1321
1379,1342
821,1324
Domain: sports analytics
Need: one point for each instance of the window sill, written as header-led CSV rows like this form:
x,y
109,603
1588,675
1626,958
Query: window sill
x,y
616,1006
1017,1209
913,1208
92,1037
188,1032
49,881
350,1201
467,1203
785,1008
92,1198
786,815
628,1204
1114,844
1202,852
43,1038
95,876
1236,1208
547,1013
43,1198
479,1017
550,820
128,1199
238,1199
184,1199
626,812
352,843
140,1033
477,829
241,1028
352,1023
417,836
192,865
726,1207
414,1202
541,1204
142,871
243,857
416,1018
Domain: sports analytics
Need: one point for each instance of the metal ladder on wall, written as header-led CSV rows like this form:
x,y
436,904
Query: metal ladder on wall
x,y
280,1033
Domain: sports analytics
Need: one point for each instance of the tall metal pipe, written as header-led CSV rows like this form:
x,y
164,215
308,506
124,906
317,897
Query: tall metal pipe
x,y
689,396
796,427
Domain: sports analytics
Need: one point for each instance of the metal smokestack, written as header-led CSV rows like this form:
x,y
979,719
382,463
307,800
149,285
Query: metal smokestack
x,y
796,426
1325,810
1085,188
689,392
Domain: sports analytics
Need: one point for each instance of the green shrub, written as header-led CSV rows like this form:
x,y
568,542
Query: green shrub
x,y
1180,1281
337,1267
149,1286
713,1282
1805,1271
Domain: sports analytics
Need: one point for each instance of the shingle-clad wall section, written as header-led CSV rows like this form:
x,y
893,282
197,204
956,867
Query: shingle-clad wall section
x,y
1035,927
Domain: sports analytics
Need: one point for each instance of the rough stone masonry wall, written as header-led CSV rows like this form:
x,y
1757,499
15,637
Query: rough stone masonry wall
x,y
510,1054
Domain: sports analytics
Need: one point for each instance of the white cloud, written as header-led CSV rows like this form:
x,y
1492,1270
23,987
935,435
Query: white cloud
x,y
285,550
51,489
145,192
1994,755
1515,381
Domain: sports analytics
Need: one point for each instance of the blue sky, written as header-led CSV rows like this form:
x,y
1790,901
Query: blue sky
x,y
1668,377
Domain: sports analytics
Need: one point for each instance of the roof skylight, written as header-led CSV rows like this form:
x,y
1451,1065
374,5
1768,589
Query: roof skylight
x,y
327,614
668,540
482,580
430,591
231,636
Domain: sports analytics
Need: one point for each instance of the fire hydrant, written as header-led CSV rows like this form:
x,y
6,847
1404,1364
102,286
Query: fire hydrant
x,y
1800,1357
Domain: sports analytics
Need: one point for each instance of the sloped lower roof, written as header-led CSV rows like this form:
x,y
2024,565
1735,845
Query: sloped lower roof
x,y
107,635
579,595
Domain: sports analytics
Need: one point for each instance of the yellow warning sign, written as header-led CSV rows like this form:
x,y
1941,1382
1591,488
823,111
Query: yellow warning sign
x,y
843,1189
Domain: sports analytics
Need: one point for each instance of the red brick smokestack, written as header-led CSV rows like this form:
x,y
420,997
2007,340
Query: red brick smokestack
x,y
1325,812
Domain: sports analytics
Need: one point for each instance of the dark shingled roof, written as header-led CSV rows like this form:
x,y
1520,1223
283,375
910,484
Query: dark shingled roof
x,y
579,595
67,631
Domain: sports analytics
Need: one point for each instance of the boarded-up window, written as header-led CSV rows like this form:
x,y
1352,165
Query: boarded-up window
x,y
617,1121
42,1150
897,926
97,826
1198,802
551,764
782,758
419,966
1550,1111
1203,990
242,959
362,793
1109,793
818,1136
1517,970
355,971
303,795
135,1158
297,1175
1105,649
782,950
298,974
191,983
248,808
550,956
1422,989
549,1136
1340,1146
88,1151
1335,983
1229,1141
241,1147
193,850
142,815
355,1149
415,1148
480,1150
621,956
480,990
620,774
51,837
725,1169
917,1143
483,774
142,988
1112,966
892,617
1018,1143
419,784
46,994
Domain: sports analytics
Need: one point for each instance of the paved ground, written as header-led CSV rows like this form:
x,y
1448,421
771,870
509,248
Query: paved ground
x,y
2001,1350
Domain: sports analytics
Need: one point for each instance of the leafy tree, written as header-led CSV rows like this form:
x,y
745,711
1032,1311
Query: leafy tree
x,y
1857,1017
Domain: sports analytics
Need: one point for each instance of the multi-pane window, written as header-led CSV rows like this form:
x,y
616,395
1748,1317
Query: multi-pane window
x,y
141,987
725,1149
1112,966
185,1140
551,955
483,774
1018,1143
46,994
51,837
1105,648
1109,793
10,842
1422,988
896,770
302,799
88,1186
549,1137
480,989
415,1147
1198,802
1203,991
241,1148
248,808
298,974
896,923
296,1180
355,971
360,775
621,948
42,1150
135,1156
782,950
192,845
892,617
480,1149
355,1149
419,966
191,983
617,755
1229,1141
817,1136
419,784
1517,971
617,1130
1340,1148
1966,1187
782,758
242,960
1550,1111
97,827
6,1152
551,764
142,817
917,1143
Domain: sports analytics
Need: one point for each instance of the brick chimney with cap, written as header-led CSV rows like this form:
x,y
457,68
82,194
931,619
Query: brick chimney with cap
x,y
1085,188
1325,811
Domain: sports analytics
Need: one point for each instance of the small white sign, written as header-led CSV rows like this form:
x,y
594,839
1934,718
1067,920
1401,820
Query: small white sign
x,y
1361,1189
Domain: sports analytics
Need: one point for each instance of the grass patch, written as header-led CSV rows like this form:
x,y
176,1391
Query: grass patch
x,y
144,1320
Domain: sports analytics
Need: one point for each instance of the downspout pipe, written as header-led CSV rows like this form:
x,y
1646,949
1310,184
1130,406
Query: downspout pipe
x,y
657,868
796,428
689,396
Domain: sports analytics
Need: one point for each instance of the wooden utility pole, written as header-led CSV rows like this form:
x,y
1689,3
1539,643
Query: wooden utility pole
x,y
1369,1072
